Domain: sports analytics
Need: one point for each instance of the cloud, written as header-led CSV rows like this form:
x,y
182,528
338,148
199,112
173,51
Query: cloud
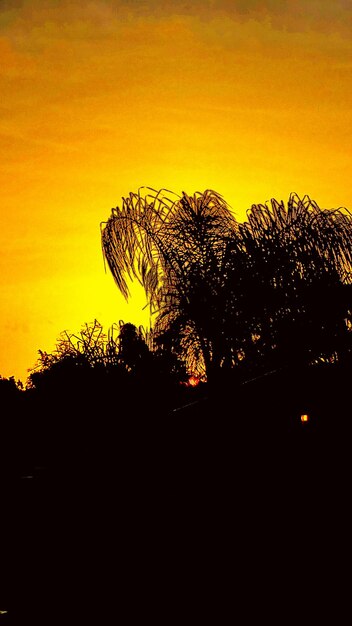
x,y
290,15
32,26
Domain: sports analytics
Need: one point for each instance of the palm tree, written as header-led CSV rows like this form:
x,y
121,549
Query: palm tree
x,y
176,246
273,289
296,280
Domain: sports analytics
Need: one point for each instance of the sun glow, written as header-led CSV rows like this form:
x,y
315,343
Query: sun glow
x,y
183,96
193,381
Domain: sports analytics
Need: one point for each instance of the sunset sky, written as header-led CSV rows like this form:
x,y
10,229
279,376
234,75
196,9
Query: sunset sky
x,y
251,98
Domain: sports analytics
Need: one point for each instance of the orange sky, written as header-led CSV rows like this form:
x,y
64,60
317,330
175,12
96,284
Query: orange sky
x,y
250,98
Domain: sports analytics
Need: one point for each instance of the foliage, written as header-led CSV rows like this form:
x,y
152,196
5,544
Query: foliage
x,y
176,247
87,349
273,289
92,355
9,387
296,279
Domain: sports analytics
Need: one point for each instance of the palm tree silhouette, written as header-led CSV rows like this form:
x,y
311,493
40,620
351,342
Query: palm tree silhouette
x,y
176,247
295,268
270,290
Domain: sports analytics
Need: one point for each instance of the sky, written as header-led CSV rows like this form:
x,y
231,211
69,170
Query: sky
x,y
249,98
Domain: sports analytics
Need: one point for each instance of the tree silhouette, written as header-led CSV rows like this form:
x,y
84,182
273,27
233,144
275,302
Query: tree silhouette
x,y
274,289
176,247
91,347
291,281
133,351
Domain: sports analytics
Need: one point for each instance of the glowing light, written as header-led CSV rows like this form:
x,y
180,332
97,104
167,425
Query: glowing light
x,y
304,418
103,120
193,381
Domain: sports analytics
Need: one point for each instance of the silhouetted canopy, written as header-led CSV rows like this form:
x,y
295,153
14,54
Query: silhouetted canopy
x,y
274,288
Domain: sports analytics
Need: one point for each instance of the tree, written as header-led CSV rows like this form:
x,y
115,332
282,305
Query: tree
x,y
273,289
87,347
295,296
133,351
176,247
91,364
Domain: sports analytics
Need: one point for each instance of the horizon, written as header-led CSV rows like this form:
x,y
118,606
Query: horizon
x,y
251,99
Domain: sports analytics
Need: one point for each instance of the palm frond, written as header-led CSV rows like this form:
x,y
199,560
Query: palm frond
x,y
215,284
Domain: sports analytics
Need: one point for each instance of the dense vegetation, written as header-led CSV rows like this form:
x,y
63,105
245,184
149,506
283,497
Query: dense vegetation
x,y
231,302
254,295
111,438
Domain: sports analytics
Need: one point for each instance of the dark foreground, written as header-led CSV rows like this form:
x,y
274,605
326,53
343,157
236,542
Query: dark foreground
x,y
229,507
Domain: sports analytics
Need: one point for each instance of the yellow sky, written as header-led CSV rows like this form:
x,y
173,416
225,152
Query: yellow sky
x,y
250,98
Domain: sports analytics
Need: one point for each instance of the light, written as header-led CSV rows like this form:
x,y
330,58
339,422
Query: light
x,y
193,381
304,418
